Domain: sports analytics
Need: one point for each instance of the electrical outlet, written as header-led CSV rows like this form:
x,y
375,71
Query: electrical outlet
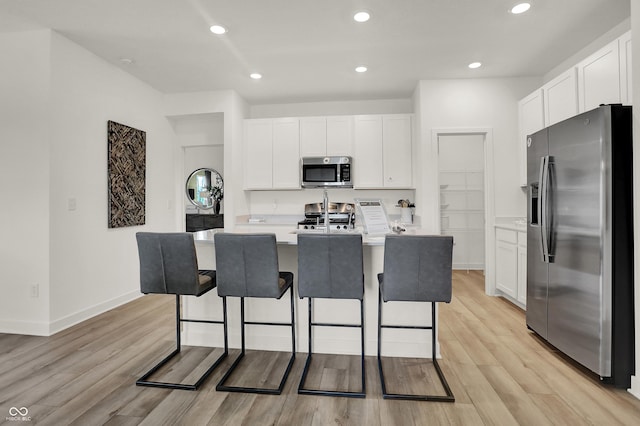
x,y
35,290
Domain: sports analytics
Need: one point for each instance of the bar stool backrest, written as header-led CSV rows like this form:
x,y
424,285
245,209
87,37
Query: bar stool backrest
x,y
417,268
247,265
330,266
168,263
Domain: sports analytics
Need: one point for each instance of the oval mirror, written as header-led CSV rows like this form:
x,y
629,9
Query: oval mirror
x,y
205,188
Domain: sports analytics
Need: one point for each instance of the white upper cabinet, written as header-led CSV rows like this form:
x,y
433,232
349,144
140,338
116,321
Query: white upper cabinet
x,y
313,137
531,119
624,44
599,78
383,151
396,151
326,136
258,154
560,97
367,166
340,136
286,153
272,153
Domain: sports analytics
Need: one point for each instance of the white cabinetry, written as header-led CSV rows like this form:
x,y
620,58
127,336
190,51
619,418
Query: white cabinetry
x,y
272,153
522,268
507,262
383,151
560,97
326,136
258,147
599,78
531,119
511,264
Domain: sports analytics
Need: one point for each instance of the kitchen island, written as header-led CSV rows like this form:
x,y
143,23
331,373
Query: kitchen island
x,y
405,343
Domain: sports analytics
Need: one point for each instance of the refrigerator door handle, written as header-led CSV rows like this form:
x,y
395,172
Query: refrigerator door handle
x,y
543,208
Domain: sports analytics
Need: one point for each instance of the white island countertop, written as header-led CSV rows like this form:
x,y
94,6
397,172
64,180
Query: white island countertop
x,y
287,235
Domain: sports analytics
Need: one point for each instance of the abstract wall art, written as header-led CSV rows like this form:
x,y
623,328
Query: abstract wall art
x,y
126,170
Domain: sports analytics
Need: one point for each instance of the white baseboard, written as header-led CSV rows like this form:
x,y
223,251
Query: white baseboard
x,y
43,328
31,328
90,312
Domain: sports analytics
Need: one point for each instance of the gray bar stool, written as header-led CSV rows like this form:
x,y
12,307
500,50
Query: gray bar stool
x,y
330,266
416,269
168,265
247,266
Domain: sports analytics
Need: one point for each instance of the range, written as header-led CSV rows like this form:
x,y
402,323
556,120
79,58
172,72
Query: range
x,y
342,217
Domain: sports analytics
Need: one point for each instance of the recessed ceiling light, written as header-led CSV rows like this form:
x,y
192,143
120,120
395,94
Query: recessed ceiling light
x,y
255,76
520,8
474,65
218,29
361,69
126,61
361,16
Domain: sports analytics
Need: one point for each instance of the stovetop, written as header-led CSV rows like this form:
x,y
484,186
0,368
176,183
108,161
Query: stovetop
x,y
341,217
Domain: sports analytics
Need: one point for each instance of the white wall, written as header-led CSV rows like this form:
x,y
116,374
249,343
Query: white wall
x,y
56,99
94,268
233,110
464,104
24,181
589,49
635,27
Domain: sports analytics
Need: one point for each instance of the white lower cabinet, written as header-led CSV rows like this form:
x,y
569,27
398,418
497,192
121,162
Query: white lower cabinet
x,y
522,268
511,264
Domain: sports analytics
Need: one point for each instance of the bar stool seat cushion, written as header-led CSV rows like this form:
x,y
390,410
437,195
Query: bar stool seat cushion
x,y
250,266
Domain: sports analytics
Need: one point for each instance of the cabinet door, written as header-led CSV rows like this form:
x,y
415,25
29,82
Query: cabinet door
x,y
522,272
530,120
368,149
599,78
560,97
258,145
313,137
286,153
396,151
340,136
625,68
507,268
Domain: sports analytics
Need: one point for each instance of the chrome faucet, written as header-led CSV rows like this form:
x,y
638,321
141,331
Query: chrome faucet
x,y
325,201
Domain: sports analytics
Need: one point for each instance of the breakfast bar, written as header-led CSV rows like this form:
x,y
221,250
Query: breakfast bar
x,y
399,343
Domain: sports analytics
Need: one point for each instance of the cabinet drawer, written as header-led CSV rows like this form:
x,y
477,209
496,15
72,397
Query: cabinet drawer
x,y
507,236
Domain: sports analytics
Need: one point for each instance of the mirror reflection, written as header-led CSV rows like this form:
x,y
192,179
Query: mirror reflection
x,y
205,188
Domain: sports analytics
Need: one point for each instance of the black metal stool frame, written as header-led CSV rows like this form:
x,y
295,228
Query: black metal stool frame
x,y
301,389
143,381
269,391
385,395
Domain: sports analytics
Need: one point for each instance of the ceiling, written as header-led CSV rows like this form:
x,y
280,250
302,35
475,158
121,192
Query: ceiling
x,y
307,50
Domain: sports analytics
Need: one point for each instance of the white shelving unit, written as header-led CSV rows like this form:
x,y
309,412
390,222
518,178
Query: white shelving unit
x,y
462,215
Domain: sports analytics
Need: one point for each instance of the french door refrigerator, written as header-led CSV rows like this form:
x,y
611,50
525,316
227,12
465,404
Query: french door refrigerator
x,y
580,240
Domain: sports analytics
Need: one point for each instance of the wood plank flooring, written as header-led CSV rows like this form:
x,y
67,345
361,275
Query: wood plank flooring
x,y
500,374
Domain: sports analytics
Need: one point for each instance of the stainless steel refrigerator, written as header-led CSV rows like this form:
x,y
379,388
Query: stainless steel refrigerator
x,y
580,240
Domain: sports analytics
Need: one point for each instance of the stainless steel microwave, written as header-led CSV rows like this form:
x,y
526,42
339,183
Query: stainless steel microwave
x,y
326,172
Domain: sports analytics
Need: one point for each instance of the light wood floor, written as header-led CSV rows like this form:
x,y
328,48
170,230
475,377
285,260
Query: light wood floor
x,y
499,372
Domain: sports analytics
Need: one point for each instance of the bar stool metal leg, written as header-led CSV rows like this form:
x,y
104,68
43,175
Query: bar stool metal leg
x,y
302,389
439,398
143,381
271,391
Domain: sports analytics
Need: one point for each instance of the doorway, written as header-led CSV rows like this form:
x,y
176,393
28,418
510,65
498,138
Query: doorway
x,y
462,182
